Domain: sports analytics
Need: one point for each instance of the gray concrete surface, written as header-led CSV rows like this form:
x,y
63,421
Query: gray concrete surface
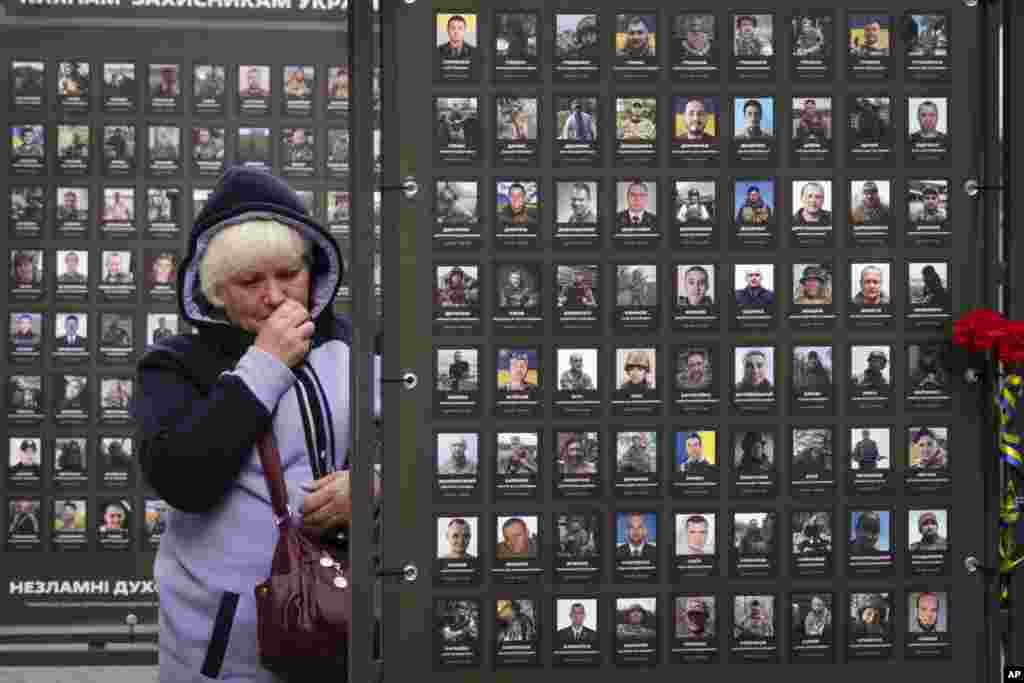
x,y
84,674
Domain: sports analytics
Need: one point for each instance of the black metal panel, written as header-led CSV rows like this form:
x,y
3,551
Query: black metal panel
x,y
418,36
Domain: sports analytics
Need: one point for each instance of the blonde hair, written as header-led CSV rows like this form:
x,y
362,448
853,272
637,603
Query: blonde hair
x,y
241,246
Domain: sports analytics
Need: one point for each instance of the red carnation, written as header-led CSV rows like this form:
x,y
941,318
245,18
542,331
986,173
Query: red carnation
x,y
981,329
1011,343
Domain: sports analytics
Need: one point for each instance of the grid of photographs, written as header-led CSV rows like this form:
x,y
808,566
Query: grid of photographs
x,y
109,163
689,298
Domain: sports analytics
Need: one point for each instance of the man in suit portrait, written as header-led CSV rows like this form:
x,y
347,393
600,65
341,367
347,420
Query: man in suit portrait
x,y
576,632
637,214
71,338
637,545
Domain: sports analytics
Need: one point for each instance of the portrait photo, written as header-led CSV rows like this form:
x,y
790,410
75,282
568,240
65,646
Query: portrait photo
x,y
457,202
927,612
812,35
754,284
253,81
299,81
636,452
927,201
208,82
695,201
577,37
636,285
812,201
518,369
517,538
869,35
457,538
928,284
870,531
812,120
160,326
870,202
577,118
753,35
517,454
456,35
927,119
636,36
695,533
456,285
870,283
869,448
754,118
72,329
118,205
696,618
72,267
754,201
696,119
812,369
577,369
694,369
458,370
754,368
578,453
636,369
695,284
636,119
928,448
577,202
457,454
926,35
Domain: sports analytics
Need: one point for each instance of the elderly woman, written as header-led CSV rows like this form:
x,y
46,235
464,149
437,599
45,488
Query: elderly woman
x,y
270,354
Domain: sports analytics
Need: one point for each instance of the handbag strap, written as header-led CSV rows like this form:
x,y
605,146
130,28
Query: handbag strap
x,y
270,457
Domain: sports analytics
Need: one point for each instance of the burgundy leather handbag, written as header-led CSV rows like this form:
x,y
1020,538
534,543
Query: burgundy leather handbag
x,y
304,608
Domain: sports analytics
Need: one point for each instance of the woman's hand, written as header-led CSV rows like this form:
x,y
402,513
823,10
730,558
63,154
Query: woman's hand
x,y
329,503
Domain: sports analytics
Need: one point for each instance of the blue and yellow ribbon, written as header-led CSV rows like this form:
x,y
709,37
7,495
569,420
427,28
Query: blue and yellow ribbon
x,y
1006,402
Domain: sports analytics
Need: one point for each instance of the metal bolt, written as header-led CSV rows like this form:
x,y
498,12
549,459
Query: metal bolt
x,y
410,187
972,376
972,187
967,3
410,573
410,379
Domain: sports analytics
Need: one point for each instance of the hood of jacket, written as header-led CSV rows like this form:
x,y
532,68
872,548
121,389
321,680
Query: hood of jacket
x,y
245,194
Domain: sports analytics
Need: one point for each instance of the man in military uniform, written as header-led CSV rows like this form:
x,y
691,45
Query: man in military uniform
x,y
699,35
871,210
573,460
456,47
692,210
30,146
638,40
115,335
754,541
813,537
818,619
514,626
298,149
929,373
459,289
580,204
575,540
209,82
518,373
931,541
929,212
207,147
812,290
515,293
577,292
637,367
755,210
810,42
928,121
70,457
811,127
635,127
71,274
164,146
517,212
574,379
162,331
637,459
637,289
756,625
872,378
458,462
458,370
69,209
24,396
117,210
871,47
747,43
518,462
634,627
866,453
754,455
866,533
118,397
756,375
118,457
932,41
